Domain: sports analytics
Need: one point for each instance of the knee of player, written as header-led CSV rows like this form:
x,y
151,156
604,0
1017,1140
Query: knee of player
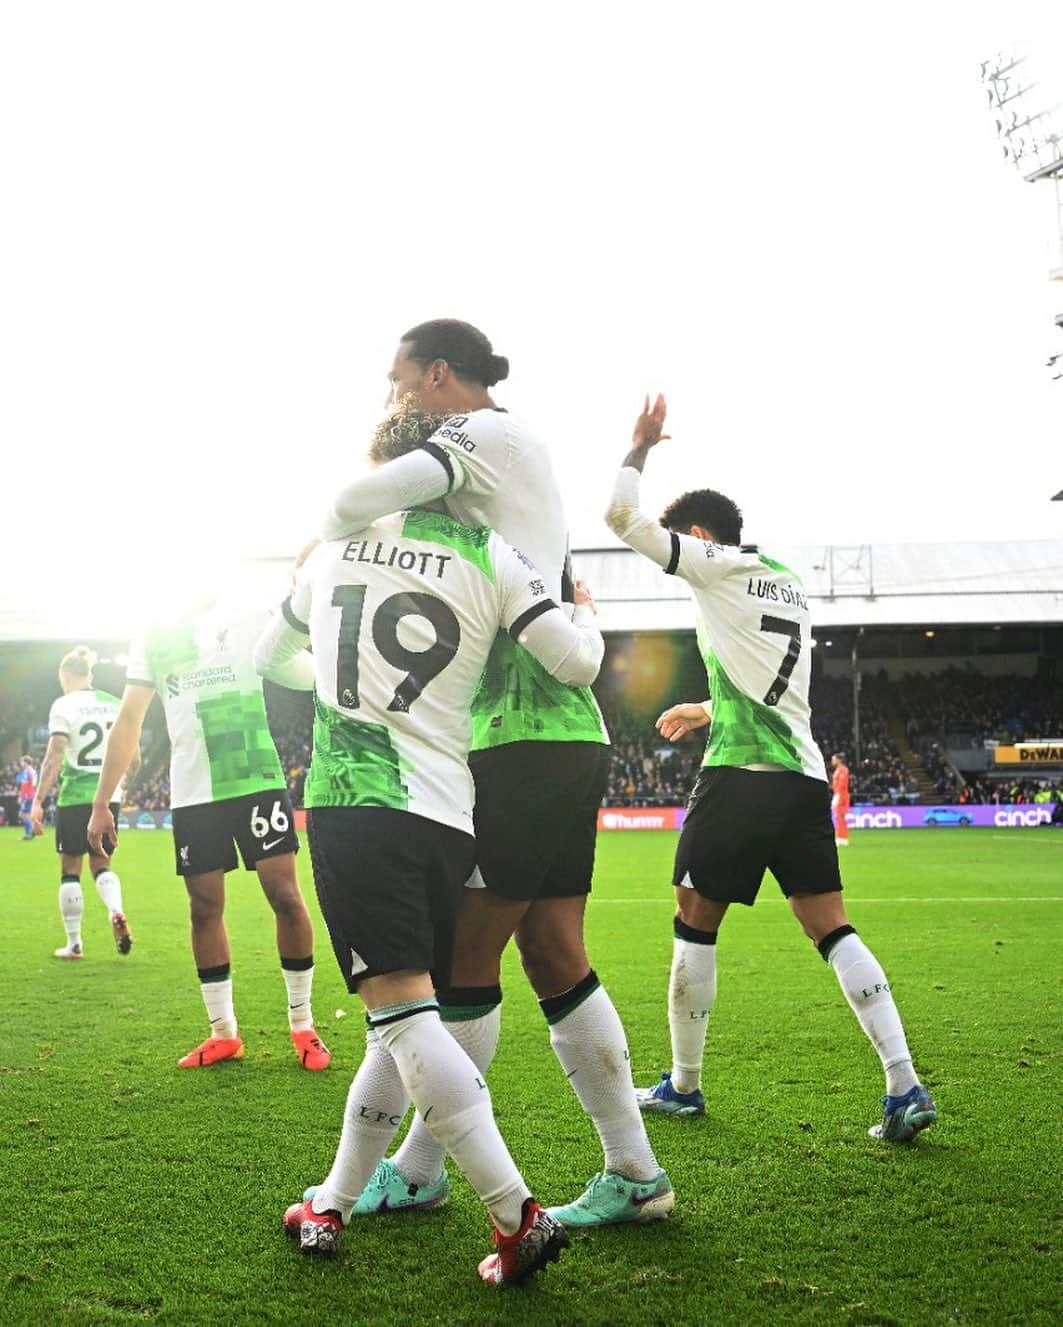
x,y
204,908
552,963
287,902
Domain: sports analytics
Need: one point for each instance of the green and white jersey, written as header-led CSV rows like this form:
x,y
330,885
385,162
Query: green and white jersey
x,y
401,619
203,670
755,636
491,470
85,719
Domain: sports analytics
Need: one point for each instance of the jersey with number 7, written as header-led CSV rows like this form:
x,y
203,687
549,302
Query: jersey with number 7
x,y
755,636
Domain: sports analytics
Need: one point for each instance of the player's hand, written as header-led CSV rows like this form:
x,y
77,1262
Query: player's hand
x,y
649,425
675,723
102,832
303,554
582,596
37,817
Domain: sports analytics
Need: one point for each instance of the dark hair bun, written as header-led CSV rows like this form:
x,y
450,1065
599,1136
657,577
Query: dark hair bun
x,y
499,369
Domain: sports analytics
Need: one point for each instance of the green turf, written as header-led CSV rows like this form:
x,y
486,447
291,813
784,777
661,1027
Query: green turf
x,y
137,1192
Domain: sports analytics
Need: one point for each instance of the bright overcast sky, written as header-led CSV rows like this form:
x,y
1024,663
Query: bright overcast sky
x,y
794,220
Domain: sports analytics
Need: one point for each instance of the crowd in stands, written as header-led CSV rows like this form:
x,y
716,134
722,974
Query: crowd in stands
x,y
951,707
961,703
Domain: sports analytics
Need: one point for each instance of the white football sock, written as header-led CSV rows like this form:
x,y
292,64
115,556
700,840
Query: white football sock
x,y
109,888
420,1158
299,980
588,1038
455,1104
217,994
376,1104
71,907
691,995
861,978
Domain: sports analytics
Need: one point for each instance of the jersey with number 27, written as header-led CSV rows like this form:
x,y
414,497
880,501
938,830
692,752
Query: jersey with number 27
x,y
85,719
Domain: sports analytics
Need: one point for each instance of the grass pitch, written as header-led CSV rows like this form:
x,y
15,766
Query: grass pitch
x,y
134,1191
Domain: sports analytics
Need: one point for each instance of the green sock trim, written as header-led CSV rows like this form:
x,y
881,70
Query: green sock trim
x,y
465,1013
557,1007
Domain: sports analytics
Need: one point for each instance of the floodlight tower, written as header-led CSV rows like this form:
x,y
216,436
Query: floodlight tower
x,y
1030,128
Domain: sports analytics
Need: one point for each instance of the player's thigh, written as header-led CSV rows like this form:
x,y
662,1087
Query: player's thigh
x,y
206,896
264,826
280,883
703,914
726,838
550,940
521,799
203,838
818,914
804,858
71,831
373,872
484,926
575,811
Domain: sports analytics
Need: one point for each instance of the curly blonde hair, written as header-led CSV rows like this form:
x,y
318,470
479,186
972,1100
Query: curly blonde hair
x,y
402,430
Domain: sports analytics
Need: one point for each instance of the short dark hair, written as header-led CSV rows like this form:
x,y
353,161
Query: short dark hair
x,y
839,755
464,347
402,430
707,508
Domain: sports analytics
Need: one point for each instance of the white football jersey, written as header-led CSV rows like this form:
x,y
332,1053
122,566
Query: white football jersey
x,y
201,666
491,470
85,719
755,636
401,620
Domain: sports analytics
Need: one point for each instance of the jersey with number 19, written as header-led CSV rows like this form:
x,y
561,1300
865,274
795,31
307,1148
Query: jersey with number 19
x,y
402,619
491,470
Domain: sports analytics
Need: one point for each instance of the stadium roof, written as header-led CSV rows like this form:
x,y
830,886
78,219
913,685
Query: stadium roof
x,y
867,585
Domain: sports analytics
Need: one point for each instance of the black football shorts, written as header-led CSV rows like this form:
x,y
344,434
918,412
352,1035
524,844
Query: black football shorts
x,y
741,823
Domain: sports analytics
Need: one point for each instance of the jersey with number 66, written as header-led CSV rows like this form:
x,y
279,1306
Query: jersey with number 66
x,y
402,618
202,668
755,636
84,718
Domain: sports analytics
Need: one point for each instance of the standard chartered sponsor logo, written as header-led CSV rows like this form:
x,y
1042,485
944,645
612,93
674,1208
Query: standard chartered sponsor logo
x,y
203,677
1006,818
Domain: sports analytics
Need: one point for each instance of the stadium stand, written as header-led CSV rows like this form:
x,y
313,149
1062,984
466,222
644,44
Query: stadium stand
x,y
923,735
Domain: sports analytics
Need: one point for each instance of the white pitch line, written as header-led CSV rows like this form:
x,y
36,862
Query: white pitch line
x,y
1051,843
853,898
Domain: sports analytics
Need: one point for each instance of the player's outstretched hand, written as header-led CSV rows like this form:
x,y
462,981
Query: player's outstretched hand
x,y
649,425
675,723
102,832
582,595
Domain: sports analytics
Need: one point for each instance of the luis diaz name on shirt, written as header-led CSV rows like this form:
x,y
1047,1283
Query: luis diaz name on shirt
x,y
759,588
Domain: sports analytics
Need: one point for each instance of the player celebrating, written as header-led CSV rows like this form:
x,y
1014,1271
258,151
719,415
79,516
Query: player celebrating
x,y
761,800
839,802
26,783
402,617
227,790
535,744
78,727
